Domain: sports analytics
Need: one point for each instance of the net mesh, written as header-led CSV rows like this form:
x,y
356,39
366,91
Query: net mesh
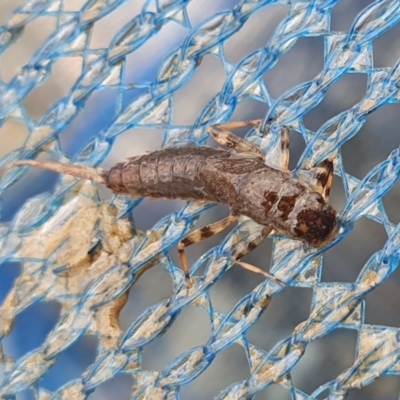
x,y
83,250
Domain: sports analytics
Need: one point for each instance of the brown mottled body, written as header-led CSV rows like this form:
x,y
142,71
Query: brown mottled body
x,y
241,181
240,178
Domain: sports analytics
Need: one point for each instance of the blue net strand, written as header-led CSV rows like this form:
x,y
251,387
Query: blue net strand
x,y
83,250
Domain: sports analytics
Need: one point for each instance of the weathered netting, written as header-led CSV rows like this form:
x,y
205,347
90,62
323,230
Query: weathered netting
x,y
85,253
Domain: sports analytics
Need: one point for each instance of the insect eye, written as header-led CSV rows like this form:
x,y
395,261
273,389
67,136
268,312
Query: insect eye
x,y
317,197
294,232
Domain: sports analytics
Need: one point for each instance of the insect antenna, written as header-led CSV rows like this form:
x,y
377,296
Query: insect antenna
x,y
79,171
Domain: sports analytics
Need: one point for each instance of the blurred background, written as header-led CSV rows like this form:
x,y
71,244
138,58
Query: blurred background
x,y
324,359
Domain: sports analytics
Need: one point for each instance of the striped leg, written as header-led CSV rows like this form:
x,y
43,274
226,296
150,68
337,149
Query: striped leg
x,y
221,134
322,177
199,235
328,178
244,247
240,249
285,143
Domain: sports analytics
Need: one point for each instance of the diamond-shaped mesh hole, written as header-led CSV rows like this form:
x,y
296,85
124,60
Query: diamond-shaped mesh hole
x,y
302,63
386,387
71,363
343,263
119,387
338,347
228,367
341,96
26,334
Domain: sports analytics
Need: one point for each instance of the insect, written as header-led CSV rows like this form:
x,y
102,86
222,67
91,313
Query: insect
x,y
239,177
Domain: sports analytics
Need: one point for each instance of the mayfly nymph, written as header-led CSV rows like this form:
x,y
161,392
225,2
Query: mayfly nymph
x,y
239,178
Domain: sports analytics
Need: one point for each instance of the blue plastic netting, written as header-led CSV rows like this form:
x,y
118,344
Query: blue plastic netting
x,y
100,80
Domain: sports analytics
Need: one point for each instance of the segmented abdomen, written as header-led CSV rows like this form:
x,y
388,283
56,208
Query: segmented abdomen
x,y
241,181
171,173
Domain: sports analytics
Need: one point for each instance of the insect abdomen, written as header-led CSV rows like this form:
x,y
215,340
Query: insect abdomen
x,y
171,173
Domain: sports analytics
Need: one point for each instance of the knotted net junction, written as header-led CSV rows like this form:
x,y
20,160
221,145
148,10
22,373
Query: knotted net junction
x,y
83,252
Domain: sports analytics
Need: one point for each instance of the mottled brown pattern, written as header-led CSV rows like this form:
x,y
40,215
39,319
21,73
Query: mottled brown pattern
x,y
242,181
314,226
270,199
286,205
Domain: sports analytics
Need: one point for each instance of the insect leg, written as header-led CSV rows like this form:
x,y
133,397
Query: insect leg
x,y
277,151
257,270
246,246
199,235
328,183
285,142
322,176
278,154
221,134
